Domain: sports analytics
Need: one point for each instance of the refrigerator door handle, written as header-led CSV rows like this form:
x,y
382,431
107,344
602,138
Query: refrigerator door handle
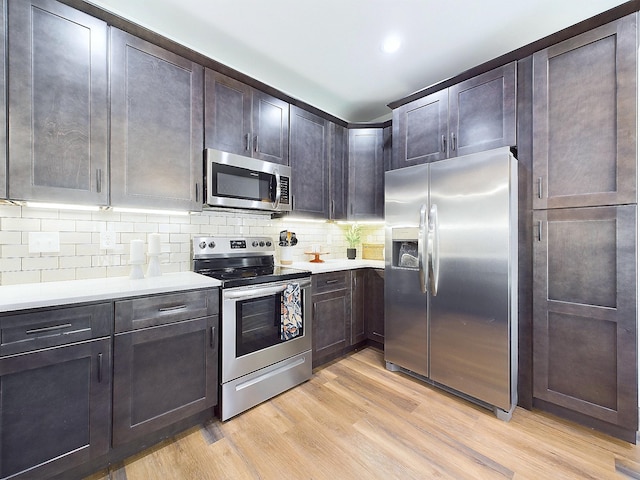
x,y
423,269
433,250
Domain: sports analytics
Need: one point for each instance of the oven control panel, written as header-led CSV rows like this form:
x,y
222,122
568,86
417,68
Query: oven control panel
x,y
217,246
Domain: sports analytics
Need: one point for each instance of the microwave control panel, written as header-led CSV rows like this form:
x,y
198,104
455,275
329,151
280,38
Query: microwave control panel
x,y
284,190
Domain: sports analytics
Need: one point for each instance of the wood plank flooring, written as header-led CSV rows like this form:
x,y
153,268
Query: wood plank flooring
x,y
354,419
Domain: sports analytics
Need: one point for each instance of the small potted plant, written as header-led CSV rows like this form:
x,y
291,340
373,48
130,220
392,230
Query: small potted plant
x,y
352,236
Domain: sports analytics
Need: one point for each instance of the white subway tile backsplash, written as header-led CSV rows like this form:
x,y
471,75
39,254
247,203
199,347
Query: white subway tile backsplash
x,y
22,276
39,263
57,225
80,255
10,238
10,224
58,275
15,251
10,264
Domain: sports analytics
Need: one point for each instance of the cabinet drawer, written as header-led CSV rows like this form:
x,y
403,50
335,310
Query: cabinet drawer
x,y
329,282
49,327
162,309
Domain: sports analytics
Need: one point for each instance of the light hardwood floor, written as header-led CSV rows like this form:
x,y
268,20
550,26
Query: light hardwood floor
x,y
356,420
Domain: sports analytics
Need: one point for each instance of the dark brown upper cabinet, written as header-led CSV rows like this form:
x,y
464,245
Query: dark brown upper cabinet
x,y
3,104
339,172
58,125
366,174
584,119
156,126
309,150
240,119
475,115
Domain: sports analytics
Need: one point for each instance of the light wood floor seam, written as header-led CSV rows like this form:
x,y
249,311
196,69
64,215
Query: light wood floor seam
x,y
356,420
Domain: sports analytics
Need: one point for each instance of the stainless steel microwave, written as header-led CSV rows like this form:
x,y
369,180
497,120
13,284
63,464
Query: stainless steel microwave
x,y
242,182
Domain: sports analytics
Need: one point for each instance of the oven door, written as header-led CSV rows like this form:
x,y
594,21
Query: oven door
x,y
251,327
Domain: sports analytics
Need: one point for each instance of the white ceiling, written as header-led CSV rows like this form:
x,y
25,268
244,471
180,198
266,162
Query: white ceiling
x,y
327,52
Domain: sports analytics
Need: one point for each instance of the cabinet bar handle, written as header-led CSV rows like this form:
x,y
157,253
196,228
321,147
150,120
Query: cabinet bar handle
x,y
99,368
248,137
453,141
333,208
99,180
172,309
539,230
47,329
213,336
255,145
197,192
444,144
539,187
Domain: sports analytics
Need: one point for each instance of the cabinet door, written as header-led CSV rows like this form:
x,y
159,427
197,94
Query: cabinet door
x,y
163,374
227,114
420,131
309,151
366,174
58,101
331,325
584,119
3,103
339,175
585,312
156,126
482,112
359,297
374,305
270,128
55,408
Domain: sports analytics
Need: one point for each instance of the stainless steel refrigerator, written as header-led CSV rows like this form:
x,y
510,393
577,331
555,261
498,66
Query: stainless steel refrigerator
x,y
451,256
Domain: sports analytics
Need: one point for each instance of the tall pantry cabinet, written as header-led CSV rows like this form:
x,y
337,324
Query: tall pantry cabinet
x,y
585,226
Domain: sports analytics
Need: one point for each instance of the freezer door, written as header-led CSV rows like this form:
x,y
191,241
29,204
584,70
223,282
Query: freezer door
x,y
475,247
405,327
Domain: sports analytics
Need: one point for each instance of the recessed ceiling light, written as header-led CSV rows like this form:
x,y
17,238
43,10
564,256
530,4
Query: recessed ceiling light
x,y
391,44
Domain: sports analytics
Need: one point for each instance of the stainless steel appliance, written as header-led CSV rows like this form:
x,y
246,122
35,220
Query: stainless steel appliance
x,y
451,255
257,363
242,182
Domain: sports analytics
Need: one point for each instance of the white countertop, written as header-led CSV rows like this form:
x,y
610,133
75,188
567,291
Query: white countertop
x,y
334,265
34,295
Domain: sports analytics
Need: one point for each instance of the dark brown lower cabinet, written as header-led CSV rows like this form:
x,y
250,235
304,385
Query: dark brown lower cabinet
x,y
359,297
55,408
585,311
374,305
163,374
331,325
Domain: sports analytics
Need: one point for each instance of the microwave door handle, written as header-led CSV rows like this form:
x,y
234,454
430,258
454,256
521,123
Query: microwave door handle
x,y
276,202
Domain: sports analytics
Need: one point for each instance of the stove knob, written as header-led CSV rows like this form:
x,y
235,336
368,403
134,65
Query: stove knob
x,y
262,244
202,244
212,244
254,244
268,243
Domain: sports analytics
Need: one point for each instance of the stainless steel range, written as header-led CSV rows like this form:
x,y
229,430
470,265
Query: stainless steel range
x,y
266,319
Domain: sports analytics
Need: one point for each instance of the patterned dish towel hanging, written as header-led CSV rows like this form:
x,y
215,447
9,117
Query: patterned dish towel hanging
x,y
291,318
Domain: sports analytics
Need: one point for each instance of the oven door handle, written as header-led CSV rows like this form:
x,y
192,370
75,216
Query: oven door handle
x,y
253,293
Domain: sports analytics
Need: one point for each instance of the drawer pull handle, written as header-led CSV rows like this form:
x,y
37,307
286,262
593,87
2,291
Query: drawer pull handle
x,y
329,282
173,309
48,329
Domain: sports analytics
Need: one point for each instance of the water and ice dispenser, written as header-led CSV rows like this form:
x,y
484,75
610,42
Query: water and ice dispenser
x,y
405,247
